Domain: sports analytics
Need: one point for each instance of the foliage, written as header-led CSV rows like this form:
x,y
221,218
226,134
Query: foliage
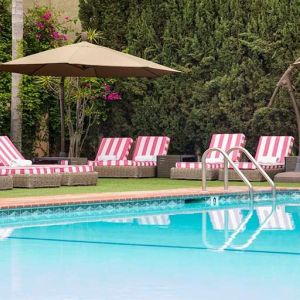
x,y
43,30
84,106
231,54
5,55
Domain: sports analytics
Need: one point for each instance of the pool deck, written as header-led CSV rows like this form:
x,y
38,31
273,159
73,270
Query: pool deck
x,y
9,203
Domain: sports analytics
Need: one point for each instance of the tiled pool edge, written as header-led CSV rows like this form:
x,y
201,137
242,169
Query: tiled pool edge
x,y
43,201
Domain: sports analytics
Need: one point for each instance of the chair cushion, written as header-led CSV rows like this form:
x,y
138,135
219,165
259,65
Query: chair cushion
x,y
251,166
198,165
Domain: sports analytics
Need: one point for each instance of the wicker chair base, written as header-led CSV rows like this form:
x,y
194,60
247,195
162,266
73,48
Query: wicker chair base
x,y
6,182
126,172
185,173
89,178
252,175
37,181
293,177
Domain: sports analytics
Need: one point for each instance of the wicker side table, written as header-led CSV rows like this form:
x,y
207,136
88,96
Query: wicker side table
x,y
292,163
166,162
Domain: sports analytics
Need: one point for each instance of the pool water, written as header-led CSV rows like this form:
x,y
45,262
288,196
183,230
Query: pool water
x,y
197,248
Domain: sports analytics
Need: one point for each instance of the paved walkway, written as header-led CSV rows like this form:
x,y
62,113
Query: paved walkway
x,y
6,203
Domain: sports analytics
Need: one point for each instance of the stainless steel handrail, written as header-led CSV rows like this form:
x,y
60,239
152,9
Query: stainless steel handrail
x,y
227,160
257,165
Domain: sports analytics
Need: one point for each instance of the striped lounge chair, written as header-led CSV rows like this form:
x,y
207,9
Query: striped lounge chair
x,y
41,175
143,162
112,152
270,154
214,160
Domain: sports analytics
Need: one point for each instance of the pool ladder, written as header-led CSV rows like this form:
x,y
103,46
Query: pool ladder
x,y
228,160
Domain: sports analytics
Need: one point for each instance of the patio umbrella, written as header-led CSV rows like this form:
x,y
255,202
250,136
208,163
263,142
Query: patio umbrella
x,y
83,60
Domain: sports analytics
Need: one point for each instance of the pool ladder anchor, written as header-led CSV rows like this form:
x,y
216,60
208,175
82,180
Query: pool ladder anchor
x,y
229,161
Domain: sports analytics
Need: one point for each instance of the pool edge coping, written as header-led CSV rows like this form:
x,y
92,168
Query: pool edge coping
x,y
85,198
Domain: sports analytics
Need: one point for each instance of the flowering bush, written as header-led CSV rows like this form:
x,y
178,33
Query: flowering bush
x,y
45,29
109,94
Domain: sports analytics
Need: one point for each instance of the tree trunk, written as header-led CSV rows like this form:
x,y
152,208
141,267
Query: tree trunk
x,y
17,38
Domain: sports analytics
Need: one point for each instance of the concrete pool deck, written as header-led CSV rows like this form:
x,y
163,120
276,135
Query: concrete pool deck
x,y
19,202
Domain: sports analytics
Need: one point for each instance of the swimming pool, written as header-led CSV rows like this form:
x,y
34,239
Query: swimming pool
x,y
212,247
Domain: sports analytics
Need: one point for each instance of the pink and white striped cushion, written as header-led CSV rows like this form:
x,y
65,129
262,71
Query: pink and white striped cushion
x,y
125,163
26,171
118,147
222,141
225,142
198,165
8,151
270,147
274,146
114,163
151,146
73,168
251,166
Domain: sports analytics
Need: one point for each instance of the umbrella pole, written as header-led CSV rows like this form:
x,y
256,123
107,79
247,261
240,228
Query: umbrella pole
x,y
62,116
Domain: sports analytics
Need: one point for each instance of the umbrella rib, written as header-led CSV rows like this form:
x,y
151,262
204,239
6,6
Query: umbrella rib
x,y
150,71
37,69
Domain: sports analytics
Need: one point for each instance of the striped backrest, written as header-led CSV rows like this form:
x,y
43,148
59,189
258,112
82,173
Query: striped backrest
x,y
8,151
279,220
118,147
225,142
217,218
151,146
274,147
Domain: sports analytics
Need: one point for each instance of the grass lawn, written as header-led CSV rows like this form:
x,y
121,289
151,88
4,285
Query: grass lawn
x,y
122,185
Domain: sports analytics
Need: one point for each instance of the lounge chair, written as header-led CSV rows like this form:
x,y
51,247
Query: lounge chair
x,y
270,154
111,152
143,162
27,175
214,161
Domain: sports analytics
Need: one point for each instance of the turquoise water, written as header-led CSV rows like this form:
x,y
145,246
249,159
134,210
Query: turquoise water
x,y
191,248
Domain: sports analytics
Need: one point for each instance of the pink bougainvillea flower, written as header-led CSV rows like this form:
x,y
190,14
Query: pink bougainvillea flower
x,y
114,96
107,88
64,37
55,35
40,25
47,15
67,18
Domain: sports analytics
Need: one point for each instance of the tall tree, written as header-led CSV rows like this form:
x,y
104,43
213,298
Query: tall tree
x,y
17,38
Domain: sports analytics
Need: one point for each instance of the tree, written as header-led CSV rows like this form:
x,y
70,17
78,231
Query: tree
x,y
17,48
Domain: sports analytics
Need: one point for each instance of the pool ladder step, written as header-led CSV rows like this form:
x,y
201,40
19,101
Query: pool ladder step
x,y
229,161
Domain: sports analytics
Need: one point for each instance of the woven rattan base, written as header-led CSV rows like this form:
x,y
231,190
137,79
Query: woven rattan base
x,y
6,182
252,175
185,173
126,172
37,181
88,178
287,177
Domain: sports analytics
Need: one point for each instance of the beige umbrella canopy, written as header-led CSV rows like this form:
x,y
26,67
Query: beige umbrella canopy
x,y
83,60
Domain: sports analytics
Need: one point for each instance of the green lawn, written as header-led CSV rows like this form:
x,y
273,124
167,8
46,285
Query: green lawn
x,y
122,185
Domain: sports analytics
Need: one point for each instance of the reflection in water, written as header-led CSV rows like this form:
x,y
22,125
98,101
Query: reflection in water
x,y
269,218
229,218
234,228
280,220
